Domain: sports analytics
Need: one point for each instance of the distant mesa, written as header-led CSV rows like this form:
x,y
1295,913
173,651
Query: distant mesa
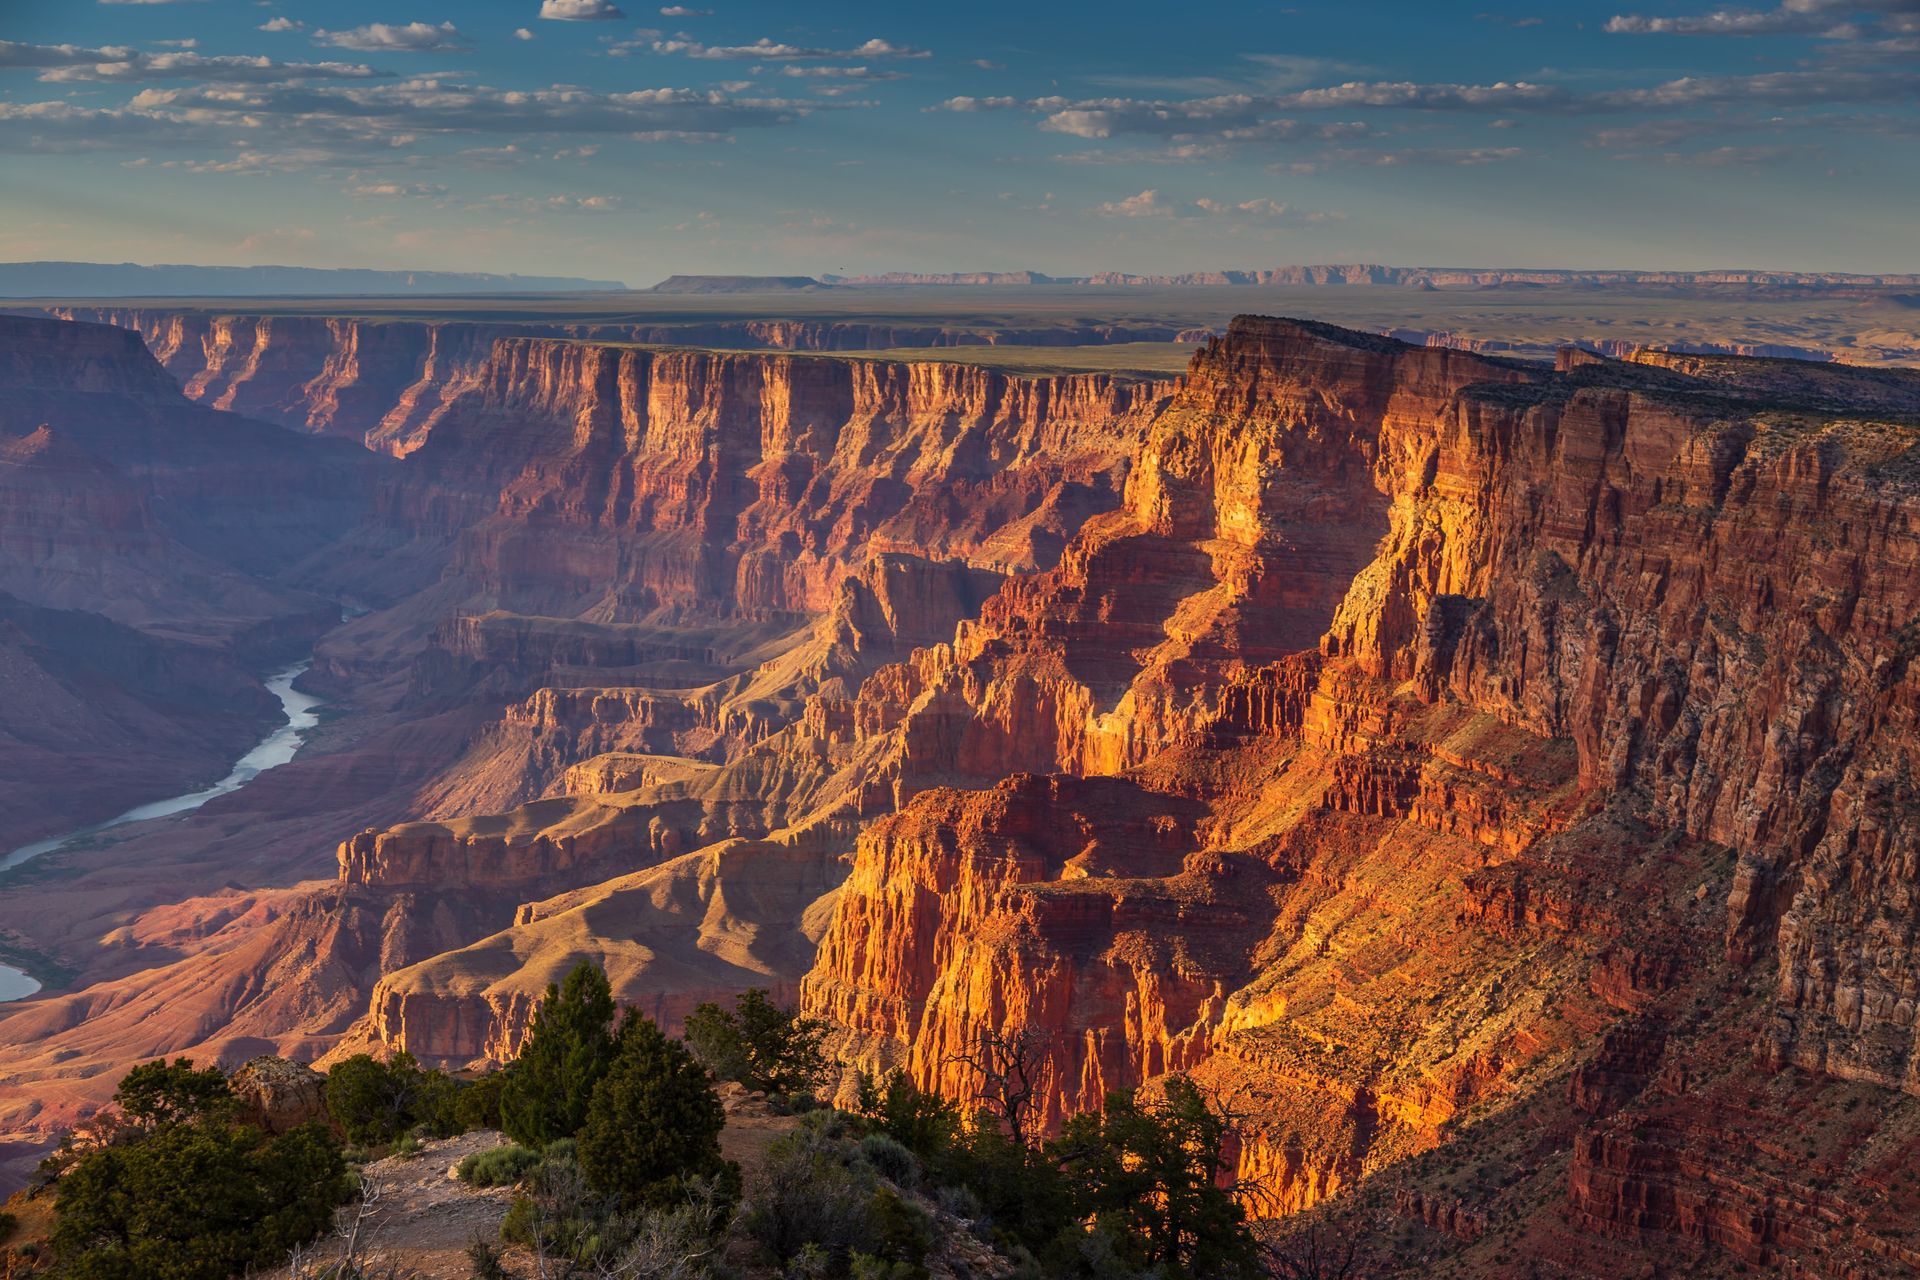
x,y
1424,279
132,280
947,278
737,284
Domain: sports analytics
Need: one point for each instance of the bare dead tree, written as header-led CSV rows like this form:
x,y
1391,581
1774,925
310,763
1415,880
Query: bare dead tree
x,y
356,1229
1310,1255
1237,1110
1009,1068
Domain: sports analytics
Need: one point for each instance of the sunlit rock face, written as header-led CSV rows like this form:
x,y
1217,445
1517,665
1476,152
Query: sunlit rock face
x,y
1516,703
388,382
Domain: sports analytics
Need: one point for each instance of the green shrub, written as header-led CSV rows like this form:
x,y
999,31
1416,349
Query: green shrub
x,y
376,1102
477,1106
654,1121
8,1225
961,1202
179,1191
759,1044
483,1256
196,1200
816,1205
924,1123
569,1047
499,1167
868,1267
891,1160
159,1093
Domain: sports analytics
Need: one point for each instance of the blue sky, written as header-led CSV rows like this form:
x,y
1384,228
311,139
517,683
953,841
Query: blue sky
x,y
736,136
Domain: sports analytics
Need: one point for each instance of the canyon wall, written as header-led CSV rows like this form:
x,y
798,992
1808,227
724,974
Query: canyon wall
x,y
1553,634
384,381
144,586
686,560
670,482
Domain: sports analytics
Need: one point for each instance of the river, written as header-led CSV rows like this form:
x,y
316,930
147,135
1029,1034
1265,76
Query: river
x,y
276,748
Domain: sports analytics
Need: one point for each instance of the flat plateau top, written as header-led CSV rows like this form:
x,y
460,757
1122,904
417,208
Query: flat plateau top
x,y
1868,326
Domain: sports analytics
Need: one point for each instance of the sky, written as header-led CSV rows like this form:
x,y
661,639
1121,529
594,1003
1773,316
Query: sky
x,y
611,139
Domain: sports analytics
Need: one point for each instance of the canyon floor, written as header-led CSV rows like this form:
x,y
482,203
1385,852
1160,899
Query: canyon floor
x,y
1490,777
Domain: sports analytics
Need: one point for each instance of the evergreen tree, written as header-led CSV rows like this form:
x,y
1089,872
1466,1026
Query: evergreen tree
x,y
158,1093
186,1194
568,1048
1149,1175
654,1122
759,1044
372,1101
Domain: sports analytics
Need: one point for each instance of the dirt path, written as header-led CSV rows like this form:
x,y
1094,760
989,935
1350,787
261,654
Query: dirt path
x,y
421,1219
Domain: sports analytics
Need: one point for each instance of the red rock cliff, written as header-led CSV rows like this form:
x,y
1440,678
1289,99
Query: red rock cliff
x,y
1532,605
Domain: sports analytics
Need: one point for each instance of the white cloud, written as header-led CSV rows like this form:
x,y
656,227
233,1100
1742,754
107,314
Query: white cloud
x,y
682,11
549,204
841,73
1259,211
580,11
1389,159
1147,204
70,62
282,24
521,33
779,51
414,190
380,122
411,37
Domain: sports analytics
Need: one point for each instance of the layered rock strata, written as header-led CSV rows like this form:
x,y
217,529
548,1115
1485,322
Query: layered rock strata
x,y
1564,632
385,382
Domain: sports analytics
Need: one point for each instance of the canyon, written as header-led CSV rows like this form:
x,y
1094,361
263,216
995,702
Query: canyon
x,y
1490,779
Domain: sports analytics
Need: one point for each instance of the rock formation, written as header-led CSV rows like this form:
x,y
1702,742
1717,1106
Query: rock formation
x,y
385,381
1587,630
279,1096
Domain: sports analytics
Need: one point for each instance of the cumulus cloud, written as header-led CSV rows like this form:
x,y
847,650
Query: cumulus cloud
x,y
580,11
71,62
767,50
411,37
841,73
282,24
1772,88
549,204
1791,17
1253,117
521,33
412,190
315,125
682,11
1384,158
1833,19
1261,211
1224,122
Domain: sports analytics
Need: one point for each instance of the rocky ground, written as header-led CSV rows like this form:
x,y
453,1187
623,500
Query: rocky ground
x,y
416,1218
